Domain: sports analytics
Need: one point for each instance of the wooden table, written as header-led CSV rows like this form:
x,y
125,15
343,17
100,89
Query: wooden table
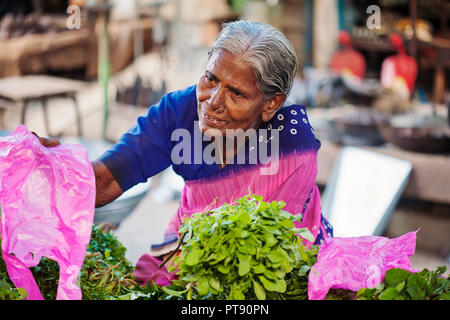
x,y
429,179
18,92
45,52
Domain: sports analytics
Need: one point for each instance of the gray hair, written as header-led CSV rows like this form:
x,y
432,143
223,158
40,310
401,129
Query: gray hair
x,y
266,50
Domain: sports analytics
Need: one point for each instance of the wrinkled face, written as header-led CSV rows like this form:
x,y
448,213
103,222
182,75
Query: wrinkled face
x,y
227,95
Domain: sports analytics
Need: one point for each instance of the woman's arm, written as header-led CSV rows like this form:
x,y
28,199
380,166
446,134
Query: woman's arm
x,y
106,187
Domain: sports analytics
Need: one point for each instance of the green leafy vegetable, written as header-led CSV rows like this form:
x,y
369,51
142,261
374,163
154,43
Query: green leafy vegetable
x,y
105,275
245,250
400,284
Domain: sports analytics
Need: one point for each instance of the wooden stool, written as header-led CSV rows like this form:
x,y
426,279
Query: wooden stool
x,y
18,92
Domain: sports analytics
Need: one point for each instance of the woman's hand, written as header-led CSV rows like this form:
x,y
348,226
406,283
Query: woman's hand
x,y
47,142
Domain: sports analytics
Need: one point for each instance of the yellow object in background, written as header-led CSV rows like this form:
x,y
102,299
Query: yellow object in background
x,y
424,29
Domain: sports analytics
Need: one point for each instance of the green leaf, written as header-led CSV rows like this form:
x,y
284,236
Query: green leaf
x,y
248,249
262,206
259,268
259,291
276,256
224,269
305,257
236,293
257,197
280,273
173,292
303,270
193,256
270,240
275,230
244,218
244,264
203,286
269,285
365,293
399,287
389,294
273,285
395,276
214,283
441,270
286,266
416,286
445,296
287,224
270,275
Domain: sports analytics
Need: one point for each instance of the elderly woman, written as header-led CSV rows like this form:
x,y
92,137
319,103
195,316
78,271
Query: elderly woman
x,y
249,73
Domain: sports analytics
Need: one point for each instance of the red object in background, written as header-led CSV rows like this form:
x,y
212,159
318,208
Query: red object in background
x,y
348,60
399,68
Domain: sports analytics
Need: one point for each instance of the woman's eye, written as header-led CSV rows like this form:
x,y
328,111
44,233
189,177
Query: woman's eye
x,y
237,93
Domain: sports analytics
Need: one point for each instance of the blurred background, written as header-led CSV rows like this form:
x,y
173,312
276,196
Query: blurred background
x,y
373,75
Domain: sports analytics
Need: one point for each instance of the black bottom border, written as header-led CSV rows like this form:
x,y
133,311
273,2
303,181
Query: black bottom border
x,y
222,309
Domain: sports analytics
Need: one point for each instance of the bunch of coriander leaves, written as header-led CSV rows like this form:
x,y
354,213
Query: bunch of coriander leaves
x,y
106,274
401,284
246,250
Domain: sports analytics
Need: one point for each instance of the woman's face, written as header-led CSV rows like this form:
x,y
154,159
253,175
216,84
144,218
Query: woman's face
x,y
227,95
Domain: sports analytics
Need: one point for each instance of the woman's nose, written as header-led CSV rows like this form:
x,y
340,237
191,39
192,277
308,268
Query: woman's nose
x,y
216,98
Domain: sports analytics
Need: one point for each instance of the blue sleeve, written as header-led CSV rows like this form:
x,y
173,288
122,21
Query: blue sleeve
x,y
145,150
294,129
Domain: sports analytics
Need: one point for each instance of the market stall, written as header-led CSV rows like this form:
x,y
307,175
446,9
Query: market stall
x,y
57,232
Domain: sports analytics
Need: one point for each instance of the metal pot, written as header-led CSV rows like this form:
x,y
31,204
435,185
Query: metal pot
x,y
358,126
115,212
416,133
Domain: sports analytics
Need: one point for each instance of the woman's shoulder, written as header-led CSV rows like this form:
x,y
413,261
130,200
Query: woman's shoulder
x,y
176,108
180,99
186,93
294,129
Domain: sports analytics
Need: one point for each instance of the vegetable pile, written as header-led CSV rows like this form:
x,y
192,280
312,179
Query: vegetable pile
x,y
250,250
106,273
246,250
400,284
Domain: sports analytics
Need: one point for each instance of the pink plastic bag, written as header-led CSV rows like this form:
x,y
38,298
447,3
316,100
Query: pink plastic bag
x,y
358,262
47,200
147,270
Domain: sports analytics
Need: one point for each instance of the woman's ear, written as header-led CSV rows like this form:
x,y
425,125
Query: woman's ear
x,y
271,106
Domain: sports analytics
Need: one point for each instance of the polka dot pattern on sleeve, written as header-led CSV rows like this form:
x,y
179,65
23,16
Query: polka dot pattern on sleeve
x,y
294,129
